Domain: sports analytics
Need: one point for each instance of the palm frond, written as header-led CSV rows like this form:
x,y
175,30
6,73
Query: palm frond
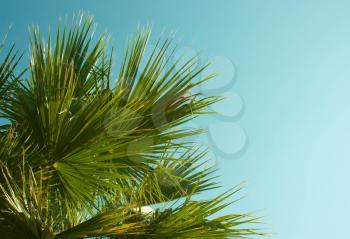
x,y
92,153
26,213
177,175
190,219
8,75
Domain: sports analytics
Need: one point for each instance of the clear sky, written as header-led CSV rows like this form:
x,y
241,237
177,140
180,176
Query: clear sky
x,y
284,128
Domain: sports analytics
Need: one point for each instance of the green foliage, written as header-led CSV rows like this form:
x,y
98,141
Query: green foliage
x,y
82,156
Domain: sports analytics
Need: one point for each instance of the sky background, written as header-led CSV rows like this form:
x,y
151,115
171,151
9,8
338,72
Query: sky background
x,y
284,128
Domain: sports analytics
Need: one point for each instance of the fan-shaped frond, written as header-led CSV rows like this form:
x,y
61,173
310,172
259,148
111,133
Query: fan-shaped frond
x,y
82,154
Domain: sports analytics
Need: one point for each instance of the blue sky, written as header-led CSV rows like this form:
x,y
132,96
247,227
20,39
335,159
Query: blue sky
x,y
284,128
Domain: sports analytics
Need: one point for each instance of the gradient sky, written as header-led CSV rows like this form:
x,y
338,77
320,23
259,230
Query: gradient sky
x,y
284,128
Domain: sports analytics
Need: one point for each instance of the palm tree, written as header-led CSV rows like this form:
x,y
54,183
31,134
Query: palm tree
x,y
83,156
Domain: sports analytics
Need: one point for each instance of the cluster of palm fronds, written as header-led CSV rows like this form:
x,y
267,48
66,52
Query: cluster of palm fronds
x,y
83,156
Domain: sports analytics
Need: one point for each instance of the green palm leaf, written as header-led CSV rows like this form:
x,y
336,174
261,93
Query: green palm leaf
x,y
83,155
